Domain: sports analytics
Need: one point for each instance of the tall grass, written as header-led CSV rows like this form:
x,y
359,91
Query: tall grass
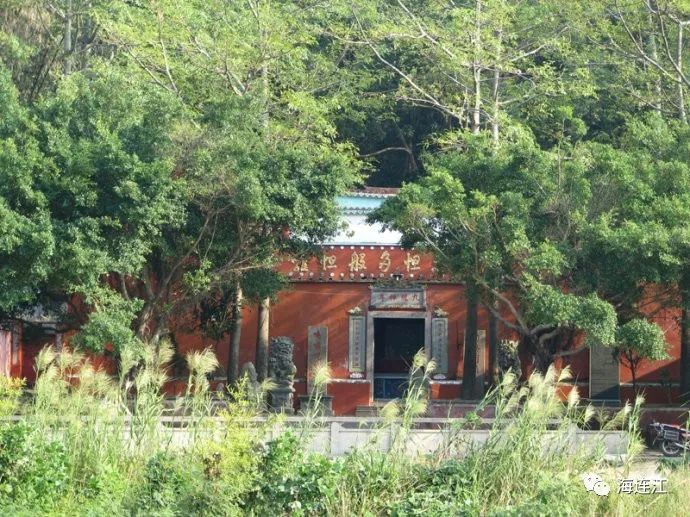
x,y
10,392
87,443
369,479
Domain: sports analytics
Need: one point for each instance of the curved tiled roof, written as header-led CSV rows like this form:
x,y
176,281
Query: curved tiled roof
x,y
355,206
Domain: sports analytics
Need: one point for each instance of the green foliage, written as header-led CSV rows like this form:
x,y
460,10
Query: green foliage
x,y
644,339
184,148
10,391
258,284
26,239
79,451
590,314
439,489
481,216
292,481
164,487
639,340
32,469
110,323
183,180
194,146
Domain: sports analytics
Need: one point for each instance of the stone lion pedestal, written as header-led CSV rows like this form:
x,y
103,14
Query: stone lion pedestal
x,y
280,400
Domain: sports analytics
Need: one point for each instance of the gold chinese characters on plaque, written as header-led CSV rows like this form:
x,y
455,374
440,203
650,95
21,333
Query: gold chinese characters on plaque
x,y
384,262
328,262
357,262
301,266
412,262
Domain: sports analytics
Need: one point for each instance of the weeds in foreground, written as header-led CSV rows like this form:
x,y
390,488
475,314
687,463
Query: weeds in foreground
x,y
87,443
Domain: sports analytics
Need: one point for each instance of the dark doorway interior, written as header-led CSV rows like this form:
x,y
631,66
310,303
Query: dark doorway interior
x,y
396,341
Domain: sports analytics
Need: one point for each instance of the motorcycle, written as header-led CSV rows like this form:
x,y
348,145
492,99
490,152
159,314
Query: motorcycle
x,y
673,438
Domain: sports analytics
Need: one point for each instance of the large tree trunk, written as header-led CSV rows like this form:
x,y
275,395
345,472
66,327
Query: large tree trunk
x,y
652,46
234,352
679,62
469,374
542,356
495,128
160,331
633,372
475,124
685,346
67,38
262,340
493,348
262,336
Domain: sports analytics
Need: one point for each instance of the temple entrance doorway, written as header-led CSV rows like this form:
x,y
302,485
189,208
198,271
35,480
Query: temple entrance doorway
x,y
396,341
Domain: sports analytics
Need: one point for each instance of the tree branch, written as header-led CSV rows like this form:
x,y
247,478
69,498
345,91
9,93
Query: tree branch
x,y
381,151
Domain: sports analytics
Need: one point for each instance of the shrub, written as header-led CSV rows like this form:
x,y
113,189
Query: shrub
x,y
439,490
85,448
291,481
10,391
163,481
173,484
32,467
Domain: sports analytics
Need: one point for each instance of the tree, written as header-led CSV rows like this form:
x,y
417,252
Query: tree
x,y
178,149
644,240
474,64
645,42
640,340
108,184
481,215
26,232
42,41
261,150
478,63
199,149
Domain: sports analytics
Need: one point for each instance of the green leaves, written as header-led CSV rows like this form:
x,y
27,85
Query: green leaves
x,y
549,305
642,339
195,143
26,239
178,148
110,323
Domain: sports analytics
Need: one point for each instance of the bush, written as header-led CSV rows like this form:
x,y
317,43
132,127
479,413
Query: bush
x,y
163,484
440,490
10,391
83,449
32,468
172,484
291,481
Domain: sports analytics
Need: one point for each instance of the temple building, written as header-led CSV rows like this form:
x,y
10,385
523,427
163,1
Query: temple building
x,y
367,306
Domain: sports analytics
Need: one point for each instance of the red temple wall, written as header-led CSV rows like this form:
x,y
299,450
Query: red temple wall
x,y
322,291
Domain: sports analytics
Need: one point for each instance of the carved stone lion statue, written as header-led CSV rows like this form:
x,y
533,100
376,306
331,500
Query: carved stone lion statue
x,y
281,368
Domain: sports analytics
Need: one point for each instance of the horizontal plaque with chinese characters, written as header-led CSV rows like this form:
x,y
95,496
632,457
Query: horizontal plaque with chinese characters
x,y
383,298
361,263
